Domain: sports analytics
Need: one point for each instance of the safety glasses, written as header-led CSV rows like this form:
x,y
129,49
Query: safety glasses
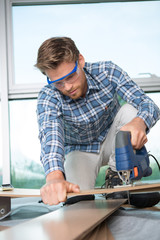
x,y
70,77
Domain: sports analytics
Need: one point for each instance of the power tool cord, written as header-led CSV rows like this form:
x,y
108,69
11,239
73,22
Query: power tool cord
x,y
150,155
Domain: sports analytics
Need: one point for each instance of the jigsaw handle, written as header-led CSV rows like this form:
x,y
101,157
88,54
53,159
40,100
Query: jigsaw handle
x,y
128,159
123,152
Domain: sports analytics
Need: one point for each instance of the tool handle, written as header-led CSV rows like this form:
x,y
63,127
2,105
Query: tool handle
x,y
124,151
127,159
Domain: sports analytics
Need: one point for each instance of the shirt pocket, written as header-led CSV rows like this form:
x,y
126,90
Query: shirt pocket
x,y
79,132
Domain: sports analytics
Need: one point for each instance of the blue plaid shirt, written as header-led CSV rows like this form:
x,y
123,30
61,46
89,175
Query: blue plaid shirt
x,y
66,125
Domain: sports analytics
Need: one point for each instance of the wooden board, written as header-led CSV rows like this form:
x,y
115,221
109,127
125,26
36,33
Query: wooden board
x,y
136,188
66,223
18,192
100,232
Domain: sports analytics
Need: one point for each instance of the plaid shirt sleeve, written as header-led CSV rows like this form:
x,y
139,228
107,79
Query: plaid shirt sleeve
x,y
51,133
133,94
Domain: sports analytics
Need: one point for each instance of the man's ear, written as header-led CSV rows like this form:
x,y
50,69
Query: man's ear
x,y
81,60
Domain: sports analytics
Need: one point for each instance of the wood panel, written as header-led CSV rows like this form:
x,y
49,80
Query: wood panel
x,y
133,189
66,223
101,232
20,192
17,192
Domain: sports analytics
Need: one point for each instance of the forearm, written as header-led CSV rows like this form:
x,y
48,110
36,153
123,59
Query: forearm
x,y
55,175
140,123
52,146
130,92
149,112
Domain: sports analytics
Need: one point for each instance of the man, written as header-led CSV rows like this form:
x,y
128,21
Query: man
x,y
79,115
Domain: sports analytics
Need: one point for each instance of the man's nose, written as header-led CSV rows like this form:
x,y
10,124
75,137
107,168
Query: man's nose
x,y
67,86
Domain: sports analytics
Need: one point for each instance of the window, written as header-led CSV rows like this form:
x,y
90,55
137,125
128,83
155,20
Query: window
x,y
0,147
153,141
0,144
26,169
127,33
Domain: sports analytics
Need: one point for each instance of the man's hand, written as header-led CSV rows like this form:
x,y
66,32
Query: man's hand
x,y
137,127
56,188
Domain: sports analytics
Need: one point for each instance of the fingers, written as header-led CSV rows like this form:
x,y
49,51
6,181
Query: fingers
x,y
55,192
72,188
138,139
137,127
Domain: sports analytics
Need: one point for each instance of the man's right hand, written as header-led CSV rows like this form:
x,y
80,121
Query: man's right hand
x,y
56,188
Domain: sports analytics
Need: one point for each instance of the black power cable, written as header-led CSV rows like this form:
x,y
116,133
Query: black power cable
x,y
150,155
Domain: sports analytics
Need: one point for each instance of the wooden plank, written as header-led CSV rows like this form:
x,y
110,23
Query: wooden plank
x,y
134,188
101,232
66,223
18,192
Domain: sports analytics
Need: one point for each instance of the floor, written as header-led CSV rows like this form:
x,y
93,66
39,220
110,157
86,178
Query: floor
x,y
127,223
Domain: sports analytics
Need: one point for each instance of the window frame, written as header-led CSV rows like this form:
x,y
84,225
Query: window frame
x,y
9,90
17,91
4,93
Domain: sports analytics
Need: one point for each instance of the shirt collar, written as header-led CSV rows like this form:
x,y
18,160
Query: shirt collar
x,y
91,82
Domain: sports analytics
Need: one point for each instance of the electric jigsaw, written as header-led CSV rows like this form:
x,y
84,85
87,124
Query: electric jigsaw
x,y
130,164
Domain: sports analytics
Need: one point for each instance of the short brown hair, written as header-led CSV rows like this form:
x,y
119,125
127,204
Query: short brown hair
x,y
54,51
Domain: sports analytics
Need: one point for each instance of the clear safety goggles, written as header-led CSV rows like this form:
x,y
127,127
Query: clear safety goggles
x,y
69,78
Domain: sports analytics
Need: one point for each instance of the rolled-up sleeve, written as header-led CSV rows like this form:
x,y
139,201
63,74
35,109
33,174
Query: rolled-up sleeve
x,y
130,92
51,133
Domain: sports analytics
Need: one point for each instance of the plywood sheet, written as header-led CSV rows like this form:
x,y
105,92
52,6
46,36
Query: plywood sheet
x,y
20,192
17,192
67,223
101,232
